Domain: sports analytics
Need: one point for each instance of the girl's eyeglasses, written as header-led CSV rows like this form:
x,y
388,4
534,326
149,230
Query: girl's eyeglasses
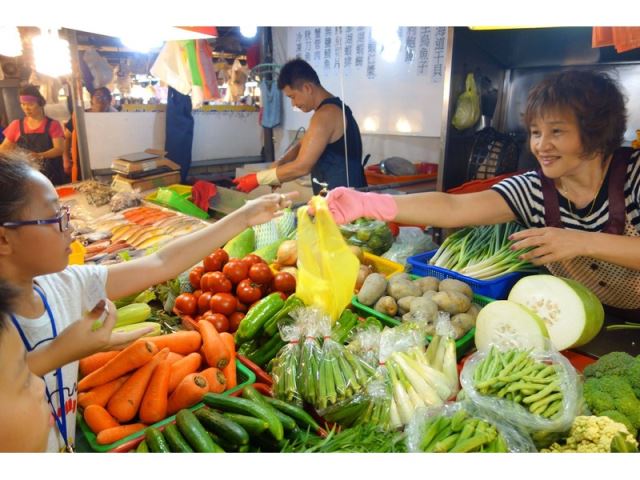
x,y
62,219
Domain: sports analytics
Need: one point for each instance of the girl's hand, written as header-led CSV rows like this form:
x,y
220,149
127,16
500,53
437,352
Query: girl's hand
x,y
550,244
266,207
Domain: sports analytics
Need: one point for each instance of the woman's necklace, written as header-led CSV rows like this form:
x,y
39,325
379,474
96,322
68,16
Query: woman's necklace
x,y
593,203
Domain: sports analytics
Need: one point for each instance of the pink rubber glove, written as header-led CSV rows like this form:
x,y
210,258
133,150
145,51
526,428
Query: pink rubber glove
x,y
346,205
247,182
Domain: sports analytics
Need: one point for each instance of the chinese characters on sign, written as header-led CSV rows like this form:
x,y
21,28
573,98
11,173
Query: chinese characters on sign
x,y
317,45
410,45
361,37
438,55
327,48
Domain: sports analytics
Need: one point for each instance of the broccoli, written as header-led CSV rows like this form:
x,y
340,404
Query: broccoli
x,y
614,363
633,376
614,393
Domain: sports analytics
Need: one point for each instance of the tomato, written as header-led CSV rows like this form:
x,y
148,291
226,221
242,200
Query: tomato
x,y
284,282
215,282
260,273
186,304
221,255
234,321
282,295
248,292
220,321
224,303
242,307
195,275
197,293
203,302
251,259
236,271
212,263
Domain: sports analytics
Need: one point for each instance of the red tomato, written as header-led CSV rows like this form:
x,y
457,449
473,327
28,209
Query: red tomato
x,y
195,275
236,271
284,282
186,304
234,321
251,259
212,263
248,292
220,321
260,273
203,302
215,282
221,255
197,293
224,303
282,295
242,307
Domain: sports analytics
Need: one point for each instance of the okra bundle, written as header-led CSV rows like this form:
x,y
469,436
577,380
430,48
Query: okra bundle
x,y
285,365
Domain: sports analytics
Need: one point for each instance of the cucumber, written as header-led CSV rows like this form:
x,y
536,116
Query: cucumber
x,y
253,395
302,418
252,425
176,441
246,407
156,441
255,319
222,426
263,354
222,443
142,447
271,326
194,432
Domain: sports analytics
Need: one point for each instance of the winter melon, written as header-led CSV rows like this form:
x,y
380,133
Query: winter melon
x,y
507,325
242,244
572,313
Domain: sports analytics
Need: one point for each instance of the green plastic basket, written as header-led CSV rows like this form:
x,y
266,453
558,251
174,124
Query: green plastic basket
x,y
176,197
244,375
463,344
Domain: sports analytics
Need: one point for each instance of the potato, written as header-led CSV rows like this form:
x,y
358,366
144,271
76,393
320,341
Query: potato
x,y
429,295
451,285
403,288
458,332
363,273
372,289
387,305
464,321
421,311
427,284
452,302
474,310
399,276
404,304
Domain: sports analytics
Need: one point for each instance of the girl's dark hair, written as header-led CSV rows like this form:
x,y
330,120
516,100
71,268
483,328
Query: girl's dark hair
x,y
8,296
14,194
33,91
295,72
593,97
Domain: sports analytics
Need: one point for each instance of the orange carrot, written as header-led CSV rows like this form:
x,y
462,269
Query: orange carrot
x,y
230,370
132,357
101,394
174,357
215,351
184,342
124,404
93,362
182,368
98,418
154,403
114,434
189,392
215,378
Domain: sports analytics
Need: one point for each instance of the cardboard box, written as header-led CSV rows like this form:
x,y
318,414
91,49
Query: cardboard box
x,y
121,183
135,165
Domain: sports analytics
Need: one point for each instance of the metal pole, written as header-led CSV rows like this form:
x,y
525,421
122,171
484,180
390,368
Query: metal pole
x,y
267,55
78,106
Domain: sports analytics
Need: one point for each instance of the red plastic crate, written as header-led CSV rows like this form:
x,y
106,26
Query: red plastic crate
x,y
426,171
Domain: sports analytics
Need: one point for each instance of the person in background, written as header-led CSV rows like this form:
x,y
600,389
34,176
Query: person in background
x,y
323,151
581,207
38,134
24,413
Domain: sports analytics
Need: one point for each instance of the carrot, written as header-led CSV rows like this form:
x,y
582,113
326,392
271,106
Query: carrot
x,y
230,370
98,418
101,394
132,357
93,362
154,402
182,368
188,392
174,357
114,434
184,342
124,404
215,378
215,351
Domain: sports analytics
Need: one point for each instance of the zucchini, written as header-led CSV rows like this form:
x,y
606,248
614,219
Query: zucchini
x,y
252,425
246,407
142,447
222,426
255,319
303,419
156,441
132,313
253,395
176,441
194,432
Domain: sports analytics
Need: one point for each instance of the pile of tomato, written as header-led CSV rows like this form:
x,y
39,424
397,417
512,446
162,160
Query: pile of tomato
x,y
225,289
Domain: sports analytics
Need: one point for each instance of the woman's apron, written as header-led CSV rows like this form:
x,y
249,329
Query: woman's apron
x,y
616,286
52,168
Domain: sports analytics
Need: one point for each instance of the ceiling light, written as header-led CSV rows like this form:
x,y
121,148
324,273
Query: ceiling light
x,y
51,53
10,42
249,32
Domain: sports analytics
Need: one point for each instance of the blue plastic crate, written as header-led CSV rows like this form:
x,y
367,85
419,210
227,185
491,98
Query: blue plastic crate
x,y
498,288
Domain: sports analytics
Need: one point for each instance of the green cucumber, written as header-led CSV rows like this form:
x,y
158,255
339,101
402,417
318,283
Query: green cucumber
x,y
142,447
156,441
256,317
252,425
222,426
261,355
176,441
298,414
246,407
194,432
222,443
253,395
271,326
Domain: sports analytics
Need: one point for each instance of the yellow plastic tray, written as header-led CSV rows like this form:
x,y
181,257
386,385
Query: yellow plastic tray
x,y
382,265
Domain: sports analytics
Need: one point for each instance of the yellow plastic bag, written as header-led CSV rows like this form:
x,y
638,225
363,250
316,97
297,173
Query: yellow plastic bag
x,y
468,106
327,268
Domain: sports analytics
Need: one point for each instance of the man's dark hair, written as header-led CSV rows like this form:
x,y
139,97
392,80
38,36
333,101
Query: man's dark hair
x,y
593,97
103,92
33,91
296,72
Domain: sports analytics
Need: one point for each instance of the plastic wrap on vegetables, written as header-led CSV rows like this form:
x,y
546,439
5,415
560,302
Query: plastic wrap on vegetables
x,y
372,236
285,366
